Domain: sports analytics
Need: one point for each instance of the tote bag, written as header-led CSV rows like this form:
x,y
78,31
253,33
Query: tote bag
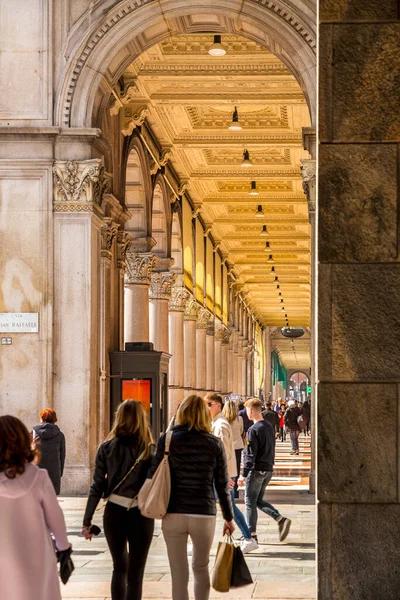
x,y
222,572
153,498
240,571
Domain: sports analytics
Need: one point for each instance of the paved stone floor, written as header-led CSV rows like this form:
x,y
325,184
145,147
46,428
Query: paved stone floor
x,y
280,571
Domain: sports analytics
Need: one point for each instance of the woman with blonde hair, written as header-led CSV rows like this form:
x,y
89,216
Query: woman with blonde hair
x,y
29,513
121,467
231,413
198,462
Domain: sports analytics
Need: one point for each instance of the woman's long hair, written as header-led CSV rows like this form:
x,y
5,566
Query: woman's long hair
x,y
16,448
230,411
194,413
130,419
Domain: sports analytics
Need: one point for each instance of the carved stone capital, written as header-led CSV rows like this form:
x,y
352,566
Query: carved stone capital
x,y
220,332
211,326
161,284
139,267
109,232
131,117
77,183
165,156
184,187
308,173
124,242
227,336
179,298
203,318
191,310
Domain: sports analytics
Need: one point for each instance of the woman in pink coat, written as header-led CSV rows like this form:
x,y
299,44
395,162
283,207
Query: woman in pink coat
x,y
29,512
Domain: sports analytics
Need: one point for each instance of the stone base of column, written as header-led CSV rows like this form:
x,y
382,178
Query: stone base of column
x,y
76,481
311,488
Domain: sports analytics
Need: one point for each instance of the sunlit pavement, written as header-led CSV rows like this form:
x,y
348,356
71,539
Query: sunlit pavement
x,y
280,570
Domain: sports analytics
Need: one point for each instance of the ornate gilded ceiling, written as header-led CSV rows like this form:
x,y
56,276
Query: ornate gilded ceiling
x,y
190,97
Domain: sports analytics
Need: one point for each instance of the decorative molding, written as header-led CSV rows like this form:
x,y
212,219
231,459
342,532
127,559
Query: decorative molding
x,y
308,173
220,333
139,267
229,157
109,232
211,325
183,187
192,310
165,156
124,242
131,117
179,298
208,117
80,181
161,285
203,318
197,210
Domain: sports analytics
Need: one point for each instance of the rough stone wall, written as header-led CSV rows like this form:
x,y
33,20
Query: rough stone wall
x,y
359,292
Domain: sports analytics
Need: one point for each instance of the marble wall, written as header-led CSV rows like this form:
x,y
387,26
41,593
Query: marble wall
x,y
359,289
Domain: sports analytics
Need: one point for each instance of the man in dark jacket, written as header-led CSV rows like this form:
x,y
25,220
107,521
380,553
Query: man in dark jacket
x,y
246,421
258,464
51,443
291,416
272,417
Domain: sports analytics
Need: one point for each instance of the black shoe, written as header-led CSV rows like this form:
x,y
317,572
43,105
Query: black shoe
x,y
254,537
284,526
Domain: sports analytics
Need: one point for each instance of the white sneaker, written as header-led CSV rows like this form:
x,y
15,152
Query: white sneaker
x,y
248,546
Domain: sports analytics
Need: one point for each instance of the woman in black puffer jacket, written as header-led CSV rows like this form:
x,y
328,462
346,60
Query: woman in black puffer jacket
x,y
198,464
51,443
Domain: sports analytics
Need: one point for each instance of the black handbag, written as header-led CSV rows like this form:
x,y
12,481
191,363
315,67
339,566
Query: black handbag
x,y
66,564
240,571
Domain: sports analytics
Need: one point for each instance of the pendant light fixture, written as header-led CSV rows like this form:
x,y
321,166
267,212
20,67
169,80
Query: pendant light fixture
x,y
283,308
278,286
235,125
246,162
281,300
266,249
259,211
272,271
217,49
276,279
264,232
253,189
270,258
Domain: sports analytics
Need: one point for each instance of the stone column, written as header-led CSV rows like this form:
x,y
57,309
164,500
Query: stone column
x,y
267,364
225,363
219,336
109,232
78,219
308,172
124,242
189,332
201,363
179,298
159,296
210,349
139,267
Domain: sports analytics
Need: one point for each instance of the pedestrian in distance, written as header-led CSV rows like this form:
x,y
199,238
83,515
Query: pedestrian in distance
x,y
235,421
121,467
221,428
197,462
29,515
306,412
291,415
282,431
258,464
272,417
50,440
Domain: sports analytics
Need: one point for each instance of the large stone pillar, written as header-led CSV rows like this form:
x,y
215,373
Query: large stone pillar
x,y
189,334
124,242
358,301
267,364
159,296
210,348
201,363
109,232
139,267
179,298
219,336
78,220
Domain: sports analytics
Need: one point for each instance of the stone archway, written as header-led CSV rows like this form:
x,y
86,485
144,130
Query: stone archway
x,y
99,57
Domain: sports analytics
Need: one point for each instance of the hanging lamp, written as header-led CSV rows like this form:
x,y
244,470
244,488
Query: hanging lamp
x,y
246,162
264,233
235,125
217,49
253,190
259,211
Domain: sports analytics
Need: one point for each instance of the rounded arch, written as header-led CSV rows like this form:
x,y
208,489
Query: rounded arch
x,y
137,188
177,242
101,54
160,219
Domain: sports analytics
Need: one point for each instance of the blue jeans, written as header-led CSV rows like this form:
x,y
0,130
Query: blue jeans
x,y
256,483
294,439
238,517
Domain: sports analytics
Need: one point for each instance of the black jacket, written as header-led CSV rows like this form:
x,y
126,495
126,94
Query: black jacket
x,y
246,421
259,452
272,417
291,416
114,459
306,411
51,443
198,462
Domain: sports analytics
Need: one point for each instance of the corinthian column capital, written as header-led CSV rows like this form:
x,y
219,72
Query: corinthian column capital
x,y
139,267
109,232
220,333
203,318
308,173
179,298
192,310
79,184
161,285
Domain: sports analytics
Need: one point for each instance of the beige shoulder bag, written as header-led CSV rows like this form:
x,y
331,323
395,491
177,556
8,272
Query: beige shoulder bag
x,y
153,498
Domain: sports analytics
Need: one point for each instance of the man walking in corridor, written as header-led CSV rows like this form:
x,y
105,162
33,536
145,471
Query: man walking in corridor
x,y
258,464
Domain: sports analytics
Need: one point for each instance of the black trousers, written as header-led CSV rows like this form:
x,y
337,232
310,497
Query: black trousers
x,y
238,455
122,527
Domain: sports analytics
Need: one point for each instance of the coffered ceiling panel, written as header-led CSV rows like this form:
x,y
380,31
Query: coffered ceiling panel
x,y
190,97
